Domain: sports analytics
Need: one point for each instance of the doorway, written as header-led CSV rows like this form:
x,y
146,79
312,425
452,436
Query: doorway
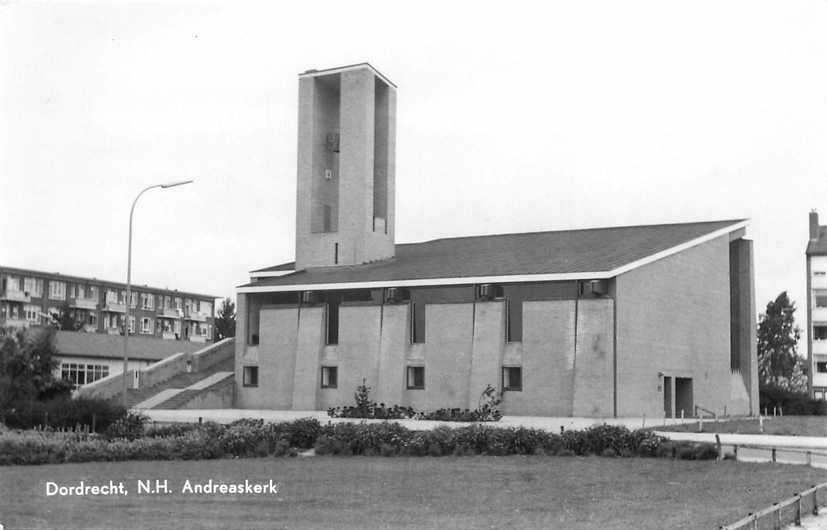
x,y
683,396
667,396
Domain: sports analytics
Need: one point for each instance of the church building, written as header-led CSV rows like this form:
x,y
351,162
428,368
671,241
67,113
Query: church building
x,y
654,320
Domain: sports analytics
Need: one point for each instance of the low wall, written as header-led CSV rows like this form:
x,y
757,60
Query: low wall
x,y
219,396
161,371
177,364
106,387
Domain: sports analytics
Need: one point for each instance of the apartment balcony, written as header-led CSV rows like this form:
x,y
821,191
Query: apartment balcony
x,y
168,312
14,322
115,308
84,303
12,295
820,315
819,347
196,316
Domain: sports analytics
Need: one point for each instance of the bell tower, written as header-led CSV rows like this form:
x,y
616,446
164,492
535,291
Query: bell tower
x,y
346,167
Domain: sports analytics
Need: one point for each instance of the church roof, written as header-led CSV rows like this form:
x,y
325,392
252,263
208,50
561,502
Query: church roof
x,y
533,256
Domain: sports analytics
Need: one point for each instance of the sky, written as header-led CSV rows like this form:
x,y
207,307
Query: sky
x,y
511,117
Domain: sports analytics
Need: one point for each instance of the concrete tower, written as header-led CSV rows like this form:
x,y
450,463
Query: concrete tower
x,y
346,167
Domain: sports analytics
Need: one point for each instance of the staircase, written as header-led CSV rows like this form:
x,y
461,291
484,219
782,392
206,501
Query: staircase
x,y
166,394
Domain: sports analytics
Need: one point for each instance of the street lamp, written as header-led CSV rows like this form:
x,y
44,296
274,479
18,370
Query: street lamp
x,y
129,283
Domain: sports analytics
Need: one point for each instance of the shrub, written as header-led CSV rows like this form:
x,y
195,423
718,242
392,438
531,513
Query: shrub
x,y
791,403
705,451
301,433
131,426
609,452
63,412
172,429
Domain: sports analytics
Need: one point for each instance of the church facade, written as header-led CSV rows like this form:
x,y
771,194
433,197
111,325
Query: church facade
x,y
651,320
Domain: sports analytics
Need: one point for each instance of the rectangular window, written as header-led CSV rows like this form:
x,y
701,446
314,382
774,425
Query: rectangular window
x,y
819,332
147,301
821,368
512,378
33,286
32,313
250,376
332,322
146,325
329,376
416,378
821,299
57,290
417,323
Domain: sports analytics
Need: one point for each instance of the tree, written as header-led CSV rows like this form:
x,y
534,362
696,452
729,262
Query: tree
x,y
225,323
27,364
778,361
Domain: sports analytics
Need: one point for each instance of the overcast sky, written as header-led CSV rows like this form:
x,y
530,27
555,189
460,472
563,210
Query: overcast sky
x,y
511,118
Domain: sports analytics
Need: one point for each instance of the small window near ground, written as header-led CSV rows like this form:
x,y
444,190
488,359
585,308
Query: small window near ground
x,y
251,376
329,376
416,377
512,378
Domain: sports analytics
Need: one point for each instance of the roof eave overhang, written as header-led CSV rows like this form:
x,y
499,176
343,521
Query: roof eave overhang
x,y
515,278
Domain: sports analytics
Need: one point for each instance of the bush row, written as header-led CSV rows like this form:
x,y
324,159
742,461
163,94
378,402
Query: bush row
x,y
62,412
250,438
791,403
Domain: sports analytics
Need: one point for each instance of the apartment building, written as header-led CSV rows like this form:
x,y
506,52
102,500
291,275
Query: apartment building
x,y
620,321
29,297
816,255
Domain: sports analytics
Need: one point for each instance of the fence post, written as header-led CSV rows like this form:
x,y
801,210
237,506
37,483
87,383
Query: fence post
x,y
777,516
720,451
797,510
809,458
761,422
735,450
682,414
700,424
773,455
815,501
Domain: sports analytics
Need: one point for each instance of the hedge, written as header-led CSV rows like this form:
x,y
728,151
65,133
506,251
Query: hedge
x,y
254,438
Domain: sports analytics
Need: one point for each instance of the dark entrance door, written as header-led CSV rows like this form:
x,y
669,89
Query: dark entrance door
x,y
683,396
667,396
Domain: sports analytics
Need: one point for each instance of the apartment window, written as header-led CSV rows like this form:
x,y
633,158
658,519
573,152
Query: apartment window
x,y
92,293
329,376
11,283
819,332
147,301
821,299
512,378
178,303
417,323
332,322
821,368
32,313
57,290
33,286
416,378
93,319
132,324
250,376
146,325
206,308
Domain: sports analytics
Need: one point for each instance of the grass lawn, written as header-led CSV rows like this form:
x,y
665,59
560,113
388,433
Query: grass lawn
x,y
783,425
407,492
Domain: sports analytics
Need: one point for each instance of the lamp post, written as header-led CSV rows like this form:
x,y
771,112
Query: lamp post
x,y
129,283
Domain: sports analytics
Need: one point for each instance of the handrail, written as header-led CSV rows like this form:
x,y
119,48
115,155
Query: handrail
x,y
775,510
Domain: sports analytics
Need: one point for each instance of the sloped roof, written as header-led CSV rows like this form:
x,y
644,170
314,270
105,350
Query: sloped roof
x,y
78,344
818,247
565,253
